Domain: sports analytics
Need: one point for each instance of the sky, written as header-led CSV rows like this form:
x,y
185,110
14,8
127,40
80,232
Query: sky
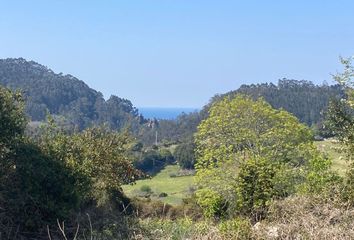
x,y
179,53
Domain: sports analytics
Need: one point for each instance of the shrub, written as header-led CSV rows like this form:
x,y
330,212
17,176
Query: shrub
x,y
163,194
150,162
237,228
211,202
146,189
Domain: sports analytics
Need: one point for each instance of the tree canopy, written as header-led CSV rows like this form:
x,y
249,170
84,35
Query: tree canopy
x,y
249,153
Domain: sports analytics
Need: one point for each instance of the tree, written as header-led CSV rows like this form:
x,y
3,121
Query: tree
x,y
249,153
12,118
184,155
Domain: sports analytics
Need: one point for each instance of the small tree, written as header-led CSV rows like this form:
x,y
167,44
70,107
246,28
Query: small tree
x,y
184,155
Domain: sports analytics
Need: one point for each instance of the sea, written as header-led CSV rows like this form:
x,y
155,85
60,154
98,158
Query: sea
x,y
164,113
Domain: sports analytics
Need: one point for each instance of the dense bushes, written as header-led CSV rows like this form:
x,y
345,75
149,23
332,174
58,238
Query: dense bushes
x,y
35,189
97,154
59,176
39,190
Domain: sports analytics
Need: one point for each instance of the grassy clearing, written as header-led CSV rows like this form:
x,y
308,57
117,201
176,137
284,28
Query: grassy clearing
x,y
331,148
176,188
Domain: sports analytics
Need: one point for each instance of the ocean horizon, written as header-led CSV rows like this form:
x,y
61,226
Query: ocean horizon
x,y
164,113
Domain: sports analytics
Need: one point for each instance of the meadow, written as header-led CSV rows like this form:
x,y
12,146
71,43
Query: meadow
x,y
176,188
332,149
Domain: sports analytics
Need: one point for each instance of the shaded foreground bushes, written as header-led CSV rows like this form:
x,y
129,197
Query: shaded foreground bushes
x,y
60,178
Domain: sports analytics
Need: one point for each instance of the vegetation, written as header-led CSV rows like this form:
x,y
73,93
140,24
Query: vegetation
x,y
64,96
248,154
184,155
331,148
302,98
176,188
152,161
59,176
258,172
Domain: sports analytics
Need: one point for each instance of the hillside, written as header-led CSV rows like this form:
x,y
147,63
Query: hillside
x,y
302,98
64,95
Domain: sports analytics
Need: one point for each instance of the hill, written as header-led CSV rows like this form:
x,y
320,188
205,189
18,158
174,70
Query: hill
x,y
64,95
302,98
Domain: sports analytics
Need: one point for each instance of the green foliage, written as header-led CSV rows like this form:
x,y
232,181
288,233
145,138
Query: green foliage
x,y
237,228
167,155
39,190
184,155
171,131
320,179
100,155
12,126
145,188
302,98
35,189
255,186
12,119
249,153
340,120
212,203
152,161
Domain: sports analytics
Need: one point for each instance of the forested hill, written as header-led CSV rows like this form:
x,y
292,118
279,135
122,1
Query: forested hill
x,y
64,95
302,98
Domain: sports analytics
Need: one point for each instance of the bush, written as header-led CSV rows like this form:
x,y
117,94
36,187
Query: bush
x,y
150,162
237,228
38,191
211,202
35,188
163,194
146,189
98,154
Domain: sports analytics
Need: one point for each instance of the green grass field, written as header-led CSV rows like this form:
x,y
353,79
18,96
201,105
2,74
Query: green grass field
x,y
331,148
176,188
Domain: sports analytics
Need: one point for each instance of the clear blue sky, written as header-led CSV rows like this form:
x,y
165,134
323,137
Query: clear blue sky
x,y
179,53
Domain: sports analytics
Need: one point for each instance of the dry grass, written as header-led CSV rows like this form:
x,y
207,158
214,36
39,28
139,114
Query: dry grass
x,y
306,218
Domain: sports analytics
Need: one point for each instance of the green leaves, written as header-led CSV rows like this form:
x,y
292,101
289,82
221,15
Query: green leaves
x,y
102,156
248,154
12,118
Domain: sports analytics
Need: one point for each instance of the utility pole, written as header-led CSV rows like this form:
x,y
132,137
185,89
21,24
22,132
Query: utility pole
x,y
156,138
